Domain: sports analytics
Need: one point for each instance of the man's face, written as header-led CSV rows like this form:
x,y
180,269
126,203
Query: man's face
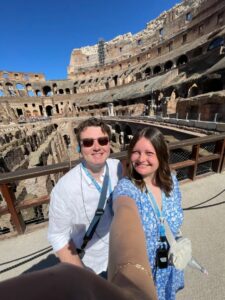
x,y
95,151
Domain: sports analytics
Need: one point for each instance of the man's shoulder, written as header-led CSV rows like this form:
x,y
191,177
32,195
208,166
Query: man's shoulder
x,y
113,161
125,181
115,167
68,180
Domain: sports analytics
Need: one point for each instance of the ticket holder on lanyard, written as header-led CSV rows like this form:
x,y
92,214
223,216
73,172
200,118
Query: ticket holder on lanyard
x,y
100,209
162,259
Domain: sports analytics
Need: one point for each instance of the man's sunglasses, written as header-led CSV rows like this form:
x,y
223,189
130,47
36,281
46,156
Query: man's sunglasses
x,y
103,141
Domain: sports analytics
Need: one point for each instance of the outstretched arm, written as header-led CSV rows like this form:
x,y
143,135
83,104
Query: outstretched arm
x,y
128,262
129,271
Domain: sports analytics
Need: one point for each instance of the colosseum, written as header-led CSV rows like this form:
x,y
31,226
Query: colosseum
x,y
170,74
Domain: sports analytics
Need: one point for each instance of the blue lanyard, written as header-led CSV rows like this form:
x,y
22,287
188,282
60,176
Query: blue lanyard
x,y
96,184
159,214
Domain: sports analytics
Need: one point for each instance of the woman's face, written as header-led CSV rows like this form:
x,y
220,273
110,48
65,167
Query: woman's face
x,y
144,158
96,154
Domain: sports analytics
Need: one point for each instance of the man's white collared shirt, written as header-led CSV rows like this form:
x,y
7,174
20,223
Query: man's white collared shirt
x,y
74,201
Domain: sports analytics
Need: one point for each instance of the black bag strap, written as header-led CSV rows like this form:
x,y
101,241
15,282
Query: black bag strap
x,y
98,214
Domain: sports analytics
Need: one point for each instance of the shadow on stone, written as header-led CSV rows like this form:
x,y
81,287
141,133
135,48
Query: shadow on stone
x,y
49,261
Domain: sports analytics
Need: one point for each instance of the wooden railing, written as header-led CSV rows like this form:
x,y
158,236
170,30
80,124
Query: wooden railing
x,y
190,158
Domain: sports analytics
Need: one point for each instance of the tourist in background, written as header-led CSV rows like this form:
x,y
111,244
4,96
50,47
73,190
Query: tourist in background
x,y
156,193
75,198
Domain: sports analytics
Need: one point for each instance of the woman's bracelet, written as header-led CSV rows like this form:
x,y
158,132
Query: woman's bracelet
x,y
137,266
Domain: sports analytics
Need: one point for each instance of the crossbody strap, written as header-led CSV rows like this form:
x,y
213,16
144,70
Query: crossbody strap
x,y
167,231
159,214
98,214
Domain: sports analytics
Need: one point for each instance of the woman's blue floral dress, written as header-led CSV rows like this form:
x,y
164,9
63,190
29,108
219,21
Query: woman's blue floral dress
x,y
168,281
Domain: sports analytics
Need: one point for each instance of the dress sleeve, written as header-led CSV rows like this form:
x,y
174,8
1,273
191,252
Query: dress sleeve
x,y
125,188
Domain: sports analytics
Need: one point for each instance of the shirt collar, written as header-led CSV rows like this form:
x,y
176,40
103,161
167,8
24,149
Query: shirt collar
x,y
88,179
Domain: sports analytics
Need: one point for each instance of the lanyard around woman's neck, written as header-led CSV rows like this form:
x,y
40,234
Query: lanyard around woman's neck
x,y
159,214
93,180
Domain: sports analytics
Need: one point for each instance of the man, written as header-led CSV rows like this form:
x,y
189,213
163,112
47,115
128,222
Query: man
x,y
75,199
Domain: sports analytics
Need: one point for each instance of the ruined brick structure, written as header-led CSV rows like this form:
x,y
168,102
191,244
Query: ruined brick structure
x,y
172,66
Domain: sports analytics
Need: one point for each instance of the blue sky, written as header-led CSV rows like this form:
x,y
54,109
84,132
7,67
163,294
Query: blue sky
x,y
39,36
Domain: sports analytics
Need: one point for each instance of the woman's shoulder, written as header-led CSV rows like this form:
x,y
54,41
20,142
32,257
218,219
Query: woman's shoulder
x,y
174,178
175,192
125,184
125,187
126,181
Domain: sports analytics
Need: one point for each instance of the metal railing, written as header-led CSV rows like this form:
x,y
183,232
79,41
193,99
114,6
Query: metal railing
x,y
189,158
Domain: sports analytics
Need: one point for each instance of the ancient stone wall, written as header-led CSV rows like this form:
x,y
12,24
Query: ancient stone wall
x,y
178,53
175,67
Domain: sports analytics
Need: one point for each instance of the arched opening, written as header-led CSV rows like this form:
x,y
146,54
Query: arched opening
x,y
67,91
57,108
193,90
168,65
113,138
27,113
49,110
216,43
19,112
10,89
67,139
41,110
156,69
30,91
127,134
35,113
147,71
115,79
38,93
61,91
182,60
54,87
117,128
138,76
47,91
20,86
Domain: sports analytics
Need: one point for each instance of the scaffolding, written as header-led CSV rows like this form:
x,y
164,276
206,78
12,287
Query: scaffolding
x,y
101,52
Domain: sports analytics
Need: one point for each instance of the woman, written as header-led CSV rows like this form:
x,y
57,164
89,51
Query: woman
x,y
156,193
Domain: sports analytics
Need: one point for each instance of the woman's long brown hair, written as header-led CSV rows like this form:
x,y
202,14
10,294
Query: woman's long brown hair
x,y
163,174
